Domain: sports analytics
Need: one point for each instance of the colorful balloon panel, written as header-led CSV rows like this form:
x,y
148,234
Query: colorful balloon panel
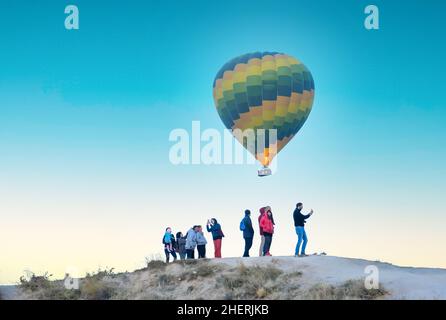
x,y
264,90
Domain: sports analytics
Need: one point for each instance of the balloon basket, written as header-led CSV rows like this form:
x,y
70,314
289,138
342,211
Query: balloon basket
x,y
264,172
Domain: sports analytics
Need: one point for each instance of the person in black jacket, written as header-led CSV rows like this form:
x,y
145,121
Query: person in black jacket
x,y
248,232
299,224
181,245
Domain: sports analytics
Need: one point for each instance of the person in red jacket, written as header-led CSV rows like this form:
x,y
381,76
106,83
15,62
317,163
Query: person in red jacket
x,y
267,226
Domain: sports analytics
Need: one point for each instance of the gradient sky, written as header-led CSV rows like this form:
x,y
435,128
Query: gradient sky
x,y
85,116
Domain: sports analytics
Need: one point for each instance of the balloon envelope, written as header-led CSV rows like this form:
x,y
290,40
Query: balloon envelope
x,y
264,90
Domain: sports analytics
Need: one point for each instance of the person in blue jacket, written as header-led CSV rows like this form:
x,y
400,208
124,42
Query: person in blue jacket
x,y
248,232
217,235
169,243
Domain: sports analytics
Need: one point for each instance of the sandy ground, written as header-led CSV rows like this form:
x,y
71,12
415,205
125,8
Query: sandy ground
x,y
400,282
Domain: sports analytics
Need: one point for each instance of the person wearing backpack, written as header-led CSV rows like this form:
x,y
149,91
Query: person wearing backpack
x,y
217,235
169,245
248,232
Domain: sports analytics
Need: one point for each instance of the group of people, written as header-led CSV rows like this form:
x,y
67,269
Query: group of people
x,y
185,245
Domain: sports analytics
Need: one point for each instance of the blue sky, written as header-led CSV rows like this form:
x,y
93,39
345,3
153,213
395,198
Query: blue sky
x,y
85,118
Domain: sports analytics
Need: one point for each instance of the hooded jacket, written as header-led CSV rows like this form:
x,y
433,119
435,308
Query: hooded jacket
x,y
201,240
249,230
266,224
191,239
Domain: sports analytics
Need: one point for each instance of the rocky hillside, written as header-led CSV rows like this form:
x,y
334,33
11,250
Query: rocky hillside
x,y
314,277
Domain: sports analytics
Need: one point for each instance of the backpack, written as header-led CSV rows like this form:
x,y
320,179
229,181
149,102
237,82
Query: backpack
x,y
242,225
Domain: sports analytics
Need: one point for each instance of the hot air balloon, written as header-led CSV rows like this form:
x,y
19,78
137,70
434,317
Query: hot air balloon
x,y
263,91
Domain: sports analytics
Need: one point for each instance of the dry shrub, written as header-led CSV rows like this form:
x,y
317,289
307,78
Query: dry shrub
x,y
93,288
232,282
261,293
206,270
156,265
202,270
59,292
268,272
289,278
255,282
42,288
35,283
165,280
349,290
191,262
152,295
98,285
101,274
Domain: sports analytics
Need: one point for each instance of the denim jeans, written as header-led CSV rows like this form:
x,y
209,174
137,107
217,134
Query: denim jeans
x,y
268,241
302,237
